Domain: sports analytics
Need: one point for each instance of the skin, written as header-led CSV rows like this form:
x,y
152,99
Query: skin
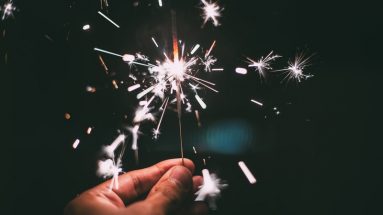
x,y
164,188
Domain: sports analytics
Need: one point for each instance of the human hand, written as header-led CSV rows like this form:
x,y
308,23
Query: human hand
x,y
169,185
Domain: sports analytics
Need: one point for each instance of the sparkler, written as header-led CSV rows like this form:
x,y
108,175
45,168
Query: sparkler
x,y
7,9
211,11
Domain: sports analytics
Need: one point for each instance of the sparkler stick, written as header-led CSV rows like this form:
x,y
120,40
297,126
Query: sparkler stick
x,y
178,82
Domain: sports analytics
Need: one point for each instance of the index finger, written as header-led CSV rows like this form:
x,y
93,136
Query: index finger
x,y
138,182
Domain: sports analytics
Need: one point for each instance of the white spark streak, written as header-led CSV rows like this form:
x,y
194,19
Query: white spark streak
x,y
146,91
109,150
134,87
217,69
160,4
75,143
154,41
256,102
196,47
210,49
203,105
7,10
107,18
247,172
241,71
108,52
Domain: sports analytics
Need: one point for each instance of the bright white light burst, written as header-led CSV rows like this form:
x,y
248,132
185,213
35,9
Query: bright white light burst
x,y
211,11
263,63
7,10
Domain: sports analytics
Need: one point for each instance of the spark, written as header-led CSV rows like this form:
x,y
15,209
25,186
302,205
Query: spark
x,y
210,49
115,84
103,64
76,143
210,189
195,48
217,69
157,132
109,150
7,10
256,102
107,18
194,150
263,63
211,11
196,112
86,27
104,3
247,172
89,130
90,89
109,168
241,70
203,105
108,52
67,116
295,68
160,3
155,43
134,87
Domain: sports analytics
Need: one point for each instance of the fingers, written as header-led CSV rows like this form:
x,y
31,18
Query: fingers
x,y
169,193
135,183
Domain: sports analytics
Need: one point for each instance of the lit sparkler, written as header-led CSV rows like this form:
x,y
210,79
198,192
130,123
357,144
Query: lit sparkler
x,y
211,11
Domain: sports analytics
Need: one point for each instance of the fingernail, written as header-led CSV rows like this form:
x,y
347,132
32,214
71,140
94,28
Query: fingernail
x,y
181,175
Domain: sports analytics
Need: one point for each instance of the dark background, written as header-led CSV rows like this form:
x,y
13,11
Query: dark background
x,y
321,155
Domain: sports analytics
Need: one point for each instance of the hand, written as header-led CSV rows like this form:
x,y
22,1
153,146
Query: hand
x,y
170,187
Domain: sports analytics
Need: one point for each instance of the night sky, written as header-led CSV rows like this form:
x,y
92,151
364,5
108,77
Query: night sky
x,y
321,155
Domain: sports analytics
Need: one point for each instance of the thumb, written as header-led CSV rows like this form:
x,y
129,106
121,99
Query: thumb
x,y
171,190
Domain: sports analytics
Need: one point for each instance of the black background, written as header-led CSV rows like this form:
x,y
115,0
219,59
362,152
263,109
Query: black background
x,y
322,155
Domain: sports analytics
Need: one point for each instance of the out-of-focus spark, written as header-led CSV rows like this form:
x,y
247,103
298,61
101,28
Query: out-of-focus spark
x,y
295,68
154,41
241,70
203,105
7,10
160,3
67,116
210,189
128,58
211,11
247,172
109,150
134,87
198,118
115,84
90,89
89,130
104,3
256,102
194,150
107,18
86,27
263,63
109,168
76,143
195,48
